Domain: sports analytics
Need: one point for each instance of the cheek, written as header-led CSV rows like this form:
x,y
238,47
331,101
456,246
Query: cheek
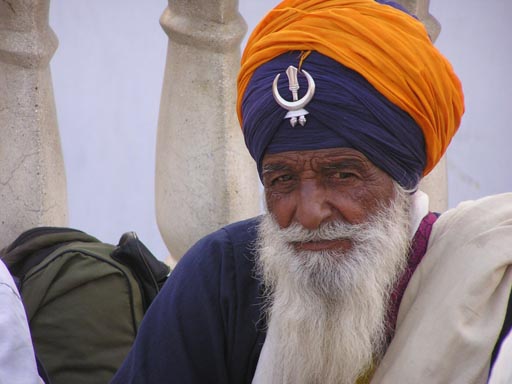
x,y
384,191
352,205
282,207
356,205
378,197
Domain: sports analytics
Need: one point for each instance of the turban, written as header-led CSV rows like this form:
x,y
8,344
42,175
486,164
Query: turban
x,y
381,86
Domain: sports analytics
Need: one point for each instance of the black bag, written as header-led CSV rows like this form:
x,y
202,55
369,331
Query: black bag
x,y
84,299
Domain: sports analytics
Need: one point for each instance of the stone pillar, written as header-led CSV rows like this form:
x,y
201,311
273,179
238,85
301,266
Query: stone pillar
x,y
420,8
435,185
32,179
204,175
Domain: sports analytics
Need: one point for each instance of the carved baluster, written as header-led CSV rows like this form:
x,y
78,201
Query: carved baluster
x,y
32,178
204,175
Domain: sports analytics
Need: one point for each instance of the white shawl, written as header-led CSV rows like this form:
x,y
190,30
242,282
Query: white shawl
x,y
454,306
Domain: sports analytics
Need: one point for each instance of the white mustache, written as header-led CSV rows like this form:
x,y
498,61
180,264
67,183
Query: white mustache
x,y
334,230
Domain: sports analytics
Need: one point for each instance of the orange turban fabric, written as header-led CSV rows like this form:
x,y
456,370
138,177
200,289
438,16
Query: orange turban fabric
x,y
388,47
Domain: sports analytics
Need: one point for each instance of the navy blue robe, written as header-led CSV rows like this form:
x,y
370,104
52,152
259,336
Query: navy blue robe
x,y
206,324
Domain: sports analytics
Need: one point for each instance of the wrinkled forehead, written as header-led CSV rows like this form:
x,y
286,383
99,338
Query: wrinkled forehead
x,y
316,160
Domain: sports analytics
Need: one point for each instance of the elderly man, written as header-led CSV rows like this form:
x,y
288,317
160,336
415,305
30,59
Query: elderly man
x,y
348,278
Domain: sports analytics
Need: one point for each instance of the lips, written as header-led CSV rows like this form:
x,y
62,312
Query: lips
x,y
323,245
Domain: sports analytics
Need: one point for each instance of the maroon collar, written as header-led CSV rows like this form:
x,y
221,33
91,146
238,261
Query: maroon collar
x,y
418,249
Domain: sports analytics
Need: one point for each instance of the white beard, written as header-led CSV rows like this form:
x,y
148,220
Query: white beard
x,y
327,310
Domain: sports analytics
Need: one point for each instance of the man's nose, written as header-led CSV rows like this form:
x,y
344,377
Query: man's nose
x,y
313,207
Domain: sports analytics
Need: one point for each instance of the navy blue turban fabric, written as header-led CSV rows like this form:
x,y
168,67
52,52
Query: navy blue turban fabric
x,y
346,111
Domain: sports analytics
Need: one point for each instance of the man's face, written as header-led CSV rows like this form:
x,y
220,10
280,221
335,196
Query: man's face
x,y
329,253
315,187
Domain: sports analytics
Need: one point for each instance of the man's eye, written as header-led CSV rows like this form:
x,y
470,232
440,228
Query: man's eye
x,y
282,179
343,175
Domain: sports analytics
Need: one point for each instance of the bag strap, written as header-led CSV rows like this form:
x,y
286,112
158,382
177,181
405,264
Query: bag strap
x,y
149,272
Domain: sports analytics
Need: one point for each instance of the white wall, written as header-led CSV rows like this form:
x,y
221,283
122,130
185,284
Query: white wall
x,y
107,75
477,39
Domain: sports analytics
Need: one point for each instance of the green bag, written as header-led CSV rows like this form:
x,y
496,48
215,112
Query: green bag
x,y
84,299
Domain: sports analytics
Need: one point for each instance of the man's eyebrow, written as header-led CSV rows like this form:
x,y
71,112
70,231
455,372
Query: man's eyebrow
x,y
274,167
346,163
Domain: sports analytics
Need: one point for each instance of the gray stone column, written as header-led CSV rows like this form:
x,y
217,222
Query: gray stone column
x,y
204,175
435,185
420,8
32,179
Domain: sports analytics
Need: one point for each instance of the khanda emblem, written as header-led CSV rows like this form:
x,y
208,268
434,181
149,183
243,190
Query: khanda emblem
x,y
296,112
